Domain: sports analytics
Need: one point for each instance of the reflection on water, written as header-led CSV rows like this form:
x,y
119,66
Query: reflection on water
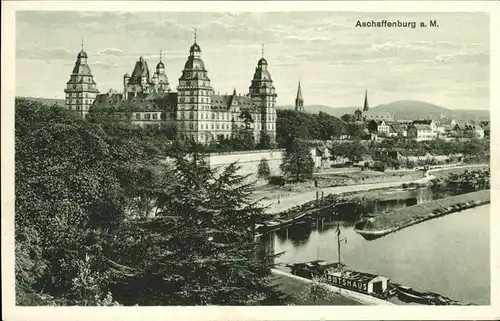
x,y
448,255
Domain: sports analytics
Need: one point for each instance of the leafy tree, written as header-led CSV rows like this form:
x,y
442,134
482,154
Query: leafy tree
x,y
71,186
348,118
297,163
199,249
263,170
316,290
264,141
291,125
355,130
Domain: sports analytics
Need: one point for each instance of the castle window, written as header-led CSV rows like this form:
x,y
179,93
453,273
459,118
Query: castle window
x,y
217,126
155,116
138,116
213,115
212,126
191,125
223,127
147,116
190,115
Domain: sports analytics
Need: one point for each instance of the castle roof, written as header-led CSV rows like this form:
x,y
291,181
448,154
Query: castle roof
x,y
140,70
82,54
225,102
166,101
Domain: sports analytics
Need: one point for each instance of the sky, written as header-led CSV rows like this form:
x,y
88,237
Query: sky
x,y
334,60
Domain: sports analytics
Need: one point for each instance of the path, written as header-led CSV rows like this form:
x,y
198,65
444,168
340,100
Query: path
x,y
299,199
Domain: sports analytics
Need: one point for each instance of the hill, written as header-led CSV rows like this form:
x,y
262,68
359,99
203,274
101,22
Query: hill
x,y
409,109
314,109
405,110
47,101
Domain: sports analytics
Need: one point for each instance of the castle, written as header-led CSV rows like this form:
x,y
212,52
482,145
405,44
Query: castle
x,y
198,112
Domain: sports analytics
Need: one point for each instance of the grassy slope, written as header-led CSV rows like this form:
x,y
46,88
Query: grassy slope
x,y
418,212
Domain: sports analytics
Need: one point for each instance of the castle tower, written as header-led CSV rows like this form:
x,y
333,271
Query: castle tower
x,y
299,101
139,81
365,106
160,79
81,88
195,119
264,95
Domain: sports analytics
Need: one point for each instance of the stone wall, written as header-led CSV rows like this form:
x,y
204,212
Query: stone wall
x,y
249,160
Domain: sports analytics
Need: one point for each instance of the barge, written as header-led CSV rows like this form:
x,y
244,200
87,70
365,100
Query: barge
x,y
339,275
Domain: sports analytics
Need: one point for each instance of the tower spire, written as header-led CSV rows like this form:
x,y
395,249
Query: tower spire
x,y
82,42
194,35
161,54
262,50
365,106
299,101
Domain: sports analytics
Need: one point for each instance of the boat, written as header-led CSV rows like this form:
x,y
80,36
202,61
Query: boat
x,y
407,294
341,276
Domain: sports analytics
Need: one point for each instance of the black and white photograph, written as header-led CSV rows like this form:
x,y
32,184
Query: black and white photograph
x,y
236,157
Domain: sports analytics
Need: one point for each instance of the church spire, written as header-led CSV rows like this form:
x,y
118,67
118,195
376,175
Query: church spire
x,y
365,106
299,101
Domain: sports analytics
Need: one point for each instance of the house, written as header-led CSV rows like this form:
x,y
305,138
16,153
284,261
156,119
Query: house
x,y
378,127
468,129
374,115
445,125
398,130
321,156
429,122
421,132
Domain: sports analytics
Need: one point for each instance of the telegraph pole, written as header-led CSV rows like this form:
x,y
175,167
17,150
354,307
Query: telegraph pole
x,y
339,240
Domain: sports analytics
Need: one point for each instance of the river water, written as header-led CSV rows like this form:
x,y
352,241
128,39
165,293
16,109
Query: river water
x,y
449,255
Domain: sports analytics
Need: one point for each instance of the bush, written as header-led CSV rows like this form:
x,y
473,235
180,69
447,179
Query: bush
x,y
277,180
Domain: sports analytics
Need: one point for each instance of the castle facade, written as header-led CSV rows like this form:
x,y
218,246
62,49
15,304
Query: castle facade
x,y
199,113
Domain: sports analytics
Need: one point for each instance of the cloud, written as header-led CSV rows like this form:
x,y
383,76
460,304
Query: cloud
x,y
111,52
464,58
47,54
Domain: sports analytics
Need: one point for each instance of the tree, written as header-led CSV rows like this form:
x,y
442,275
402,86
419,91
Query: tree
x,y
355,130
199,249
291,125
297,163
348,118
263,170
316,289
264,141
72,189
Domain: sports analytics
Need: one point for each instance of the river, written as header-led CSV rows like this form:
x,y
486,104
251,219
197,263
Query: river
x,y
449,255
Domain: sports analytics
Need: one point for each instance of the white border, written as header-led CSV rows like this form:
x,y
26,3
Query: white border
x,y
236,313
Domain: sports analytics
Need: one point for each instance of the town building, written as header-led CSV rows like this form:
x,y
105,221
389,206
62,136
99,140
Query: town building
x,y
368,115
200,114
421,132
81,88
466,129
398,130
299,101
378,127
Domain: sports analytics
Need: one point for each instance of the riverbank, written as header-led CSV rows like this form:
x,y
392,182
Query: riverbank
x,y
385,223
292,283
287,203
